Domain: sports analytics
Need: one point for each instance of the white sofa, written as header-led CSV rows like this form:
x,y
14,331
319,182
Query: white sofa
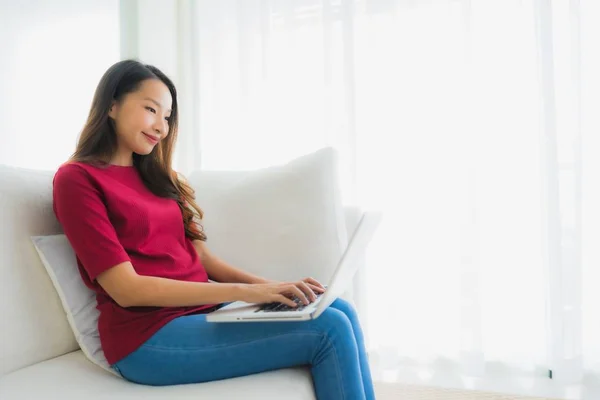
x,y
39,357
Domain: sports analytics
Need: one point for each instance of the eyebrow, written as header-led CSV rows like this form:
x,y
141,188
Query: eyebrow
x,y
156,102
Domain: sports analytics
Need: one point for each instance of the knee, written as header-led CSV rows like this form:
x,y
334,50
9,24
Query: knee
x,y
336,322
346,307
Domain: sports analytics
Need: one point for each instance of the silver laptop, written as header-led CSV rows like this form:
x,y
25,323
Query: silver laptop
x,y
240,311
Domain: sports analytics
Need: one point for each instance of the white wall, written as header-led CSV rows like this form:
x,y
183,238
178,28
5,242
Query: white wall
x,y
52,55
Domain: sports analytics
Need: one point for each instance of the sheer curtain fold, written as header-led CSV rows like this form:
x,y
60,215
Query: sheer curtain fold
x,y
557,27
470,123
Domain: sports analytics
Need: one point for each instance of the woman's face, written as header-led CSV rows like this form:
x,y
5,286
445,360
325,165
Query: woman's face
x,y
141,120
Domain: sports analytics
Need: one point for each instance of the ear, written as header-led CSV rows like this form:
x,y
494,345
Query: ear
x,y
112,111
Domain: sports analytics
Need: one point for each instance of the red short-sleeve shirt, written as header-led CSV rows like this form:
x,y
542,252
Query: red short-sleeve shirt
x,y
109,216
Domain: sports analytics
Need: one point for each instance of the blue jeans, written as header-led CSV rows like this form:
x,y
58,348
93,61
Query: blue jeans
x,y
189,350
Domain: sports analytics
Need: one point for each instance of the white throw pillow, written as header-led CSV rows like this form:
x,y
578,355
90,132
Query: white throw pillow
x,y
284,222
79,302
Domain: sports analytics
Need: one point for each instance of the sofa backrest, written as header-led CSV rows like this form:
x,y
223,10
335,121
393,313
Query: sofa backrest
x,y
33,325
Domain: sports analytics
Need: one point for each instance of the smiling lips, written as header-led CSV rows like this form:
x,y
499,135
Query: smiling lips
x,y
151,139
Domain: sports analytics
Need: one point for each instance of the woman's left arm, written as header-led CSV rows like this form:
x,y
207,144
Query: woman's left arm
x,y
218,270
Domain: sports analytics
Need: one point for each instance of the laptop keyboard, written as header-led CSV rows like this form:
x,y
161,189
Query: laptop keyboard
x,y
271,307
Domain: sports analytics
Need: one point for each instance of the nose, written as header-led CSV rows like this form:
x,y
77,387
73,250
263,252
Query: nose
x,y
161,127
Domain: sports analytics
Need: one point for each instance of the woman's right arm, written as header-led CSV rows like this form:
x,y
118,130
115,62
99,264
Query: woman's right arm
x,y
128,289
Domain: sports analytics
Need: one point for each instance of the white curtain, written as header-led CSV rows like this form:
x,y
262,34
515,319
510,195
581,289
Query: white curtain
x,y
52,55
472,124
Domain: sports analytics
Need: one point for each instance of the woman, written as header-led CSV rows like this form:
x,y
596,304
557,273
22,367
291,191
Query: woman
x,y
134,226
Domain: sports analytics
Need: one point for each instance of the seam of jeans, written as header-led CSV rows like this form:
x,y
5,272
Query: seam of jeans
x,y
337,365
152,346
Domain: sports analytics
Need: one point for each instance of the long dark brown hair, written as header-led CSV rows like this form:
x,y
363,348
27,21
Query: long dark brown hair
x,y
98,141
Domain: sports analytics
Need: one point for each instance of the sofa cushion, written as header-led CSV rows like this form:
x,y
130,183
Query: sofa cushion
x,y
72,376
284,222
33,326
78,301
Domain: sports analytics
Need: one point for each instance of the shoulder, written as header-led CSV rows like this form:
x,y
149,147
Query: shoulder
x,y
78,167
73,172
70,169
